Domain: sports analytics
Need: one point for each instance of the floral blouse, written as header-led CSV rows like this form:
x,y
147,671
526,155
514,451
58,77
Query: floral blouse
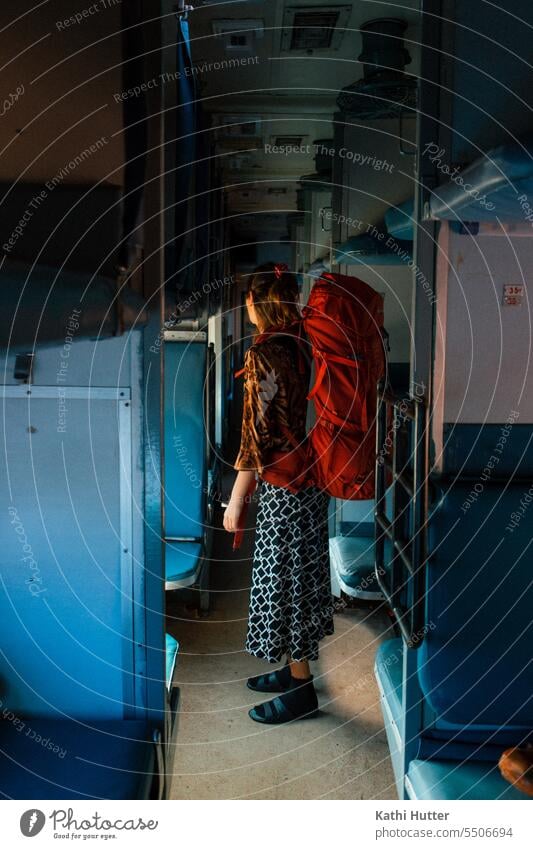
x,y
275,397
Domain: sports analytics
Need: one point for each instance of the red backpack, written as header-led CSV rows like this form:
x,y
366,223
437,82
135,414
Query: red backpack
x,y
343,322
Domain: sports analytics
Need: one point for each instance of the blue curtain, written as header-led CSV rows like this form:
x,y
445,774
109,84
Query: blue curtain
x,y
186,154
135,131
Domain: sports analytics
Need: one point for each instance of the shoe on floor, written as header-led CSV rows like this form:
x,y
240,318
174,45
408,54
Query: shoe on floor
x,y
298,702
274,682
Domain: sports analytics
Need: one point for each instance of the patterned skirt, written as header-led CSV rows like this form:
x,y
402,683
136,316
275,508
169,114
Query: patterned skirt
x,y
291,607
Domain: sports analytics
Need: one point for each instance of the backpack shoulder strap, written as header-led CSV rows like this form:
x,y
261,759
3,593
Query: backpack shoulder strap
x,y
288,331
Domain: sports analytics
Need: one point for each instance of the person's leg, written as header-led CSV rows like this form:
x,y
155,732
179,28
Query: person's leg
x,y
300,669
299,700
272,682
281,679
267,596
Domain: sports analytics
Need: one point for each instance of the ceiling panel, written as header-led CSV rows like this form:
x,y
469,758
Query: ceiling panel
x,y
293,91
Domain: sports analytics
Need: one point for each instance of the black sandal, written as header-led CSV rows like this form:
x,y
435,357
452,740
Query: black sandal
x,y
274,682
299,702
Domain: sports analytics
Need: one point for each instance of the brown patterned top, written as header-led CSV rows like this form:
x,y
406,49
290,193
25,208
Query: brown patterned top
x,y
275,396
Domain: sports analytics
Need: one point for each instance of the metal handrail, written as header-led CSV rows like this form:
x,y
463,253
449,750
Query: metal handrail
x,y
406,591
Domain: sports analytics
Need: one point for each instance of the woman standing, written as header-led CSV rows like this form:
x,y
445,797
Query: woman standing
x,y
291,605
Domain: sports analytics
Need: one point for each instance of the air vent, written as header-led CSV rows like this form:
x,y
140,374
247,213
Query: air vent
x,y
277,190
239,36
312,28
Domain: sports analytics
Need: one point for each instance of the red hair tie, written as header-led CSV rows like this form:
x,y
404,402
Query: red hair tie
x,y
279,268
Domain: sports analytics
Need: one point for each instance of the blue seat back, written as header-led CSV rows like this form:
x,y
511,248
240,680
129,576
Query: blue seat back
x,y
185,437
399,220
475,665
66,585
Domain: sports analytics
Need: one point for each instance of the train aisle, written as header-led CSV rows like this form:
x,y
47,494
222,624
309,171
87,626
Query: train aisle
x,y
222,754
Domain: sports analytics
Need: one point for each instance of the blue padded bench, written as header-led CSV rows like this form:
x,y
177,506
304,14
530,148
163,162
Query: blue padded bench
x,y
94,760
171,722
182,564
447,780
186,479
501,175
388,668
399,220
172,648
475,667
432,779
352,559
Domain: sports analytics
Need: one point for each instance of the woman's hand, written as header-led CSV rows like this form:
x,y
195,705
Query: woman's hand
x,y
233,513
244,483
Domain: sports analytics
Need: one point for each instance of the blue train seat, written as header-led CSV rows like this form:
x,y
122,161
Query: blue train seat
x,y
73,721
352,561
172,708
399,220
68,611
352,550
352,558
388,668
453,705
171,656
448,780
65,759
474,666
182,562
185,457
501,176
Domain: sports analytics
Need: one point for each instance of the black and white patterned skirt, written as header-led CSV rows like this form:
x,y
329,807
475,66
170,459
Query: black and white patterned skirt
x,y
291,607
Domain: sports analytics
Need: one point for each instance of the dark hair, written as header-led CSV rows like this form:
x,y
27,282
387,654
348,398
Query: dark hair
x,y
275,295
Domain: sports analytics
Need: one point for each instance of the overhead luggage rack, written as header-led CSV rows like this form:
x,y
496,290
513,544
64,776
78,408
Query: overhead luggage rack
x,y
497,186
374,249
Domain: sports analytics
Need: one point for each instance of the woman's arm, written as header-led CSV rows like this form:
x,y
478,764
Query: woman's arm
x,y
254,435
241,487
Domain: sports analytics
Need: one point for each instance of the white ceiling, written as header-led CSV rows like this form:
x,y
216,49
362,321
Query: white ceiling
x,y
293,92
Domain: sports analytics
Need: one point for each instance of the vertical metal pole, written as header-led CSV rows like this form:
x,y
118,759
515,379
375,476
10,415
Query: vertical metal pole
x,y
396,565
417,598
381,428
153,370
429,131
412,697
